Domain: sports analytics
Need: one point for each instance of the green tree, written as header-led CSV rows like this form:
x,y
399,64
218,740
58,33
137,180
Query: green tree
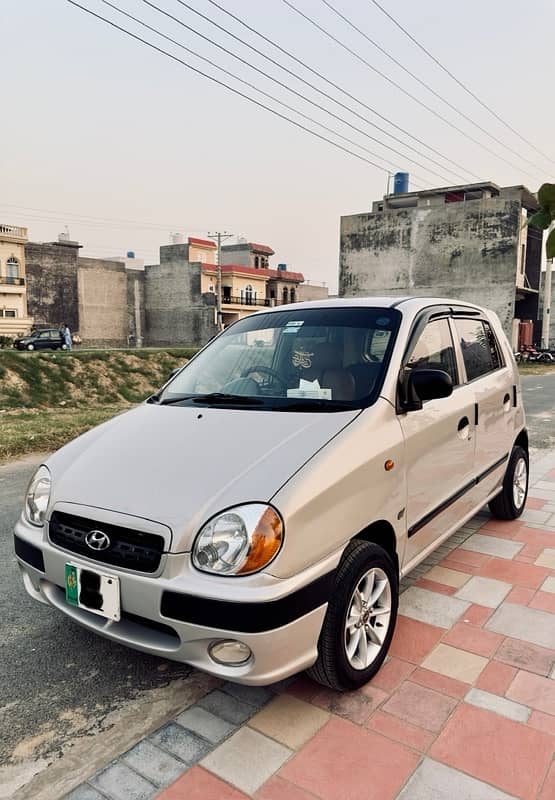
x,y
546,216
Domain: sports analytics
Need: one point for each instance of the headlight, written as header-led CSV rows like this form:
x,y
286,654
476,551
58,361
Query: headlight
x,y
38,495
239,541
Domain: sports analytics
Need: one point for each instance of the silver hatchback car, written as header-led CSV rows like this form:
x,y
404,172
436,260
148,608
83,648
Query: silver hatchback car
x,y
255,516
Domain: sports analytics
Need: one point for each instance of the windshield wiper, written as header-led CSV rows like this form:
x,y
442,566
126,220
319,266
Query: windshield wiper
x,y
222,397
314,405
213,398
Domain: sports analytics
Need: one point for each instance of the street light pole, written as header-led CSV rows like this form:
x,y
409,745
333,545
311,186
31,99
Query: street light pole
x,y
218,236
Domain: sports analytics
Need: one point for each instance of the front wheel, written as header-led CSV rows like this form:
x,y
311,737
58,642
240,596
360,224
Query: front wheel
x,y
30,347
510,502
360,619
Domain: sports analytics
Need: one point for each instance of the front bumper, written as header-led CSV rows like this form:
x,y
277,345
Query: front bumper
x,y
180,612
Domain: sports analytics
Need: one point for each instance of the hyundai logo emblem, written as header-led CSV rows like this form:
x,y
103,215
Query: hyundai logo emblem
x,y
97,540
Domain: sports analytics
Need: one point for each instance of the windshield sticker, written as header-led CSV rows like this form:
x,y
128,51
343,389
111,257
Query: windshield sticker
x,y
302,359
310,390
293,326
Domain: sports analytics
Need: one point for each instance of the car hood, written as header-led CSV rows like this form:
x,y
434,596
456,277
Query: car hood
x,y
179,466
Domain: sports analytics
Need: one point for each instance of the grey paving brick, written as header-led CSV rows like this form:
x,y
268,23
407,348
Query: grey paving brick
x,y
492,546
205,724
158,766
433,780
521,622
229,708
85,792
120,782
256,696
535,515
431,607
181,743
484,591
499,705
247,760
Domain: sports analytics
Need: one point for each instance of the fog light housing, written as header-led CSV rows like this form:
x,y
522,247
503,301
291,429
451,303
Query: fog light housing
x,y
229,652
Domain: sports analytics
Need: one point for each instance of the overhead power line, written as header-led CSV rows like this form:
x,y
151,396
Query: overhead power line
x,y
225,85
427,85
460,83
252,85
347,94
311,85
288,89
397,85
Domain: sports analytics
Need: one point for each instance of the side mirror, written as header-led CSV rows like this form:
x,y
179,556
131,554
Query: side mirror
x,y
425,384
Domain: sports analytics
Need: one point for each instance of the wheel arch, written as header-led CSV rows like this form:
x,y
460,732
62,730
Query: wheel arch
x,y
381,533
522,440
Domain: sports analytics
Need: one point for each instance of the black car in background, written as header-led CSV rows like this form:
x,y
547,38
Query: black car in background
x,y
48,339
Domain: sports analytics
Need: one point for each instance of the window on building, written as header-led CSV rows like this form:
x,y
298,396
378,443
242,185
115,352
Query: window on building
x,y
248,294
481,353
434,350
12,267
292,295
10,312
285,296
256,262
522,257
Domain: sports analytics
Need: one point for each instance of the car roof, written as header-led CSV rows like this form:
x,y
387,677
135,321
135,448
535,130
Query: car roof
x,y
410,303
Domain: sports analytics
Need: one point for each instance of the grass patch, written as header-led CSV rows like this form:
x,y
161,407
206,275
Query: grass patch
x,y
535,368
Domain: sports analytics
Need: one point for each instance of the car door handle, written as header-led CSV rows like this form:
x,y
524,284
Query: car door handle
x,y
507,402
463,428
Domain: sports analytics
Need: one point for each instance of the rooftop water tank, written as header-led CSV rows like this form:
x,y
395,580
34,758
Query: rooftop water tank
x,y
130,254
282,267
400,183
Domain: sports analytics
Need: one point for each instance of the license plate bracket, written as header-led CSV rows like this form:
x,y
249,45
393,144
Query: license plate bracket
x,y
93,591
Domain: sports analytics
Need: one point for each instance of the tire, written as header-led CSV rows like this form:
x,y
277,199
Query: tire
x,y
64,347
545,357
342,662
30,347
510,502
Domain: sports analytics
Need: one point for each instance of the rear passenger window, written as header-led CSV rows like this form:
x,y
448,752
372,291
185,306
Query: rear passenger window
x,y
434,350
479,347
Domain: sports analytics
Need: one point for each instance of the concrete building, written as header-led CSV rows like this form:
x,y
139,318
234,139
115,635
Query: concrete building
x,y
14,318
469,242
312,291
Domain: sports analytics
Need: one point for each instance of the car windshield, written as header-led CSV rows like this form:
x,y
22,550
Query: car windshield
x,y
325,359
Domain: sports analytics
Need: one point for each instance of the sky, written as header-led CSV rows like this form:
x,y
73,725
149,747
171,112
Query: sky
x,y
126,146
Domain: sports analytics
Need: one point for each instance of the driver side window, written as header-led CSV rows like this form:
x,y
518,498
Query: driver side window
x,y
434,350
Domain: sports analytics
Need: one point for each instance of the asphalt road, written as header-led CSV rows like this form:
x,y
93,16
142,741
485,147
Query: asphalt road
x,y
59,683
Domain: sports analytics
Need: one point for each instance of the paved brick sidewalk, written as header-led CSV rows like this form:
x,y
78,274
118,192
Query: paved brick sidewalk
x,y
464,707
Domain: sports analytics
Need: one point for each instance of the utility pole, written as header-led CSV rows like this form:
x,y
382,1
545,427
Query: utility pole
x,y
546,304
218,237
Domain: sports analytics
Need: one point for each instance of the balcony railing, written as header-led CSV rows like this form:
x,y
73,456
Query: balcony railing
x,y
10,281
244,301
13,230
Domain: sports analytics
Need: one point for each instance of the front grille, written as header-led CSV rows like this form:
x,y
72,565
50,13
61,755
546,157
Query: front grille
x,y
128,548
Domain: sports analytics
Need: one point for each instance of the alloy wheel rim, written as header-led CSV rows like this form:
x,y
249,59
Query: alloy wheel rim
x,y
368,619
520,481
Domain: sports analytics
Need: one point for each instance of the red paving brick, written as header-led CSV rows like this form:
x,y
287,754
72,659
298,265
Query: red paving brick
x,y
496,677
303,688
477,615
400,731
459,566
548,791
502,526
502,569
198,784
440,683
542,722
467,637
524,655
508,754
533,691
414,640
520,596
279,789
468,557
420,706
535,502
345,762
392,673
355,706
544,601
440,588
534,536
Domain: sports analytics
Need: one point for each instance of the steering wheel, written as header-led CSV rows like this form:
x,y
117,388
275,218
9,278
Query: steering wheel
x,y
267,371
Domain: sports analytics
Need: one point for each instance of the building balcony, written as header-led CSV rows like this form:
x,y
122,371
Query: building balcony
x,y
245,301
8,280
13,233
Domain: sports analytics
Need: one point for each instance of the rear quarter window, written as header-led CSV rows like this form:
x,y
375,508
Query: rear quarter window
x,y
480,349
